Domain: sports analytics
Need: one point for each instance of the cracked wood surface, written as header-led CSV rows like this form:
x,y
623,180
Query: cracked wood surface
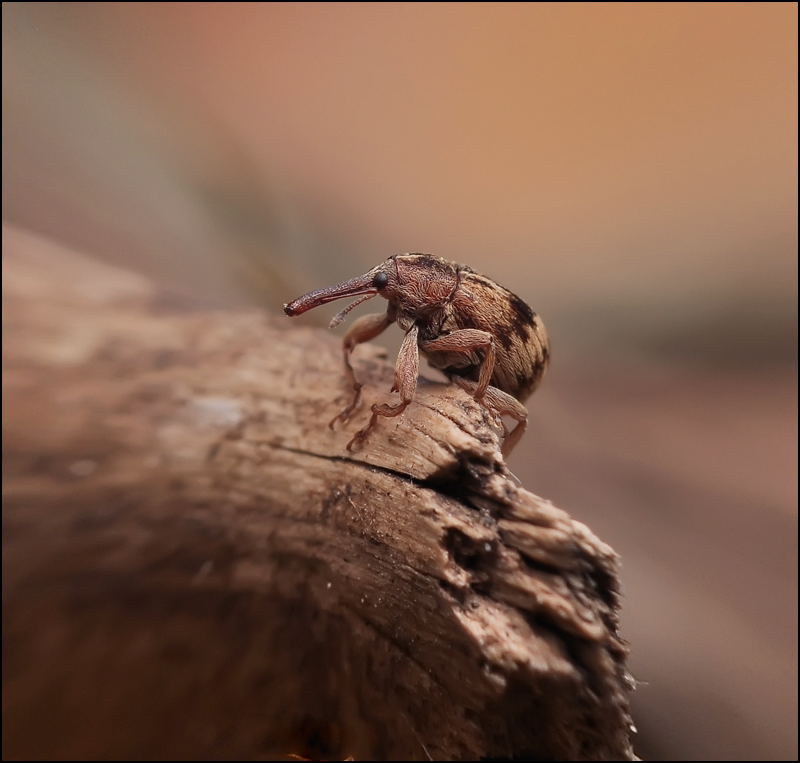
x,y
195,567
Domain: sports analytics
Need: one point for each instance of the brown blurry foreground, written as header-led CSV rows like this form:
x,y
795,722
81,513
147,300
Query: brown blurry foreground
x,y
630,170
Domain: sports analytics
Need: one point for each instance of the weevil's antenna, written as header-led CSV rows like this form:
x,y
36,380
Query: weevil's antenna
x,y
339,317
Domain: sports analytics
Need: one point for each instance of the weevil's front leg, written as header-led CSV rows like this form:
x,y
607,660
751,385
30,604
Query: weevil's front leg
x,y
467,341
502,404
365,328
406,371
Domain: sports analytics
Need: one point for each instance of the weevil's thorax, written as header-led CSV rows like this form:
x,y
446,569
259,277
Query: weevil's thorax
x,y
420,291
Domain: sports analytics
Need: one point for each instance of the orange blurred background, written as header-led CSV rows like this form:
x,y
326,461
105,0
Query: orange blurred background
x,y
629,169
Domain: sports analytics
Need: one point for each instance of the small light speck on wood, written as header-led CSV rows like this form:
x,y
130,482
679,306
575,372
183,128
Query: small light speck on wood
x,y
195,567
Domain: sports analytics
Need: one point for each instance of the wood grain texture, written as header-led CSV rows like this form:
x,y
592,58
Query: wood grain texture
x,y
195,567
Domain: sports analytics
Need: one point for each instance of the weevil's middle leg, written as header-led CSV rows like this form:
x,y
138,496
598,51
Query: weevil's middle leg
x,y
467,341
502,404
406,371
365,328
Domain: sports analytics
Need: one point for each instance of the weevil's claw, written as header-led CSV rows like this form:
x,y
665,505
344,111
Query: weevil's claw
x,y
343,417
345,414
360,437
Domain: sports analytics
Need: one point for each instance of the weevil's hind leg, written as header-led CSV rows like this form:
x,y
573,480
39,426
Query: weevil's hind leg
x,y
406,371
365,328
499,403
502,404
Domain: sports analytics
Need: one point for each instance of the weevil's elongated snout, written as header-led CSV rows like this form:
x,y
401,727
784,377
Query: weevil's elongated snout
x,y
352,288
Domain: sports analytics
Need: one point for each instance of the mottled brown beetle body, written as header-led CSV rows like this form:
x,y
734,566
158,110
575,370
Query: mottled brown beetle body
x,y
482,336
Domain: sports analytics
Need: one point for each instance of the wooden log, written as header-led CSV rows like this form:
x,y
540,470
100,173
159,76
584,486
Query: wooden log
x,y
195,567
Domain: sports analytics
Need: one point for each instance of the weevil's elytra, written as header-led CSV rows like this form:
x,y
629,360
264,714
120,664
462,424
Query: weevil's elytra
x,y
482,336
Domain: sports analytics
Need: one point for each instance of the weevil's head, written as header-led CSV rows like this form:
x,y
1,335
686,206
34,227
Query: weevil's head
x,y
373,282
414,283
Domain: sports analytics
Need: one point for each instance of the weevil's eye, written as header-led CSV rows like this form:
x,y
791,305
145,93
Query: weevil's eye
x,y
380,280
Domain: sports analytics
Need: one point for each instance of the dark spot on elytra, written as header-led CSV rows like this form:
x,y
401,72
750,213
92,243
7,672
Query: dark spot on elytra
x,y
505,335
522,312
519,326
522,320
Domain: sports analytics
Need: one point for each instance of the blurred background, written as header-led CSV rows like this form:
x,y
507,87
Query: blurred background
x,y
630,170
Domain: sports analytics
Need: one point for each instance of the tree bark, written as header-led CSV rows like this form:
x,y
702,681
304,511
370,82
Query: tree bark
x,y
195,567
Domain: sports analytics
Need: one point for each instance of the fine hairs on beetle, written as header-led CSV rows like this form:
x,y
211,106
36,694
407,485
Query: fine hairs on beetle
x,y
484,338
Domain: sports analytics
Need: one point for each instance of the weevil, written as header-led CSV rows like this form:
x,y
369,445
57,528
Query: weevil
x,y
483,337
